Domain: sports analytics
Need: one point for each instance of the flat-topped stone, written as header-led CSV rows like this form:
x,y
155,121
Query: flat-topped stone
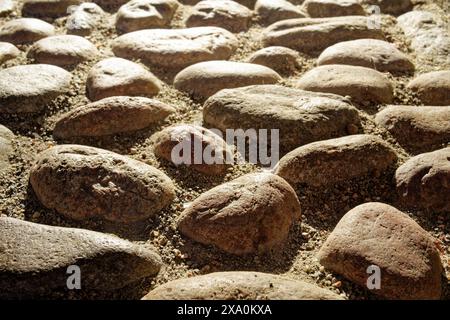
x,y
203,79
271,11
433,88
324,163
394,7
239,285
282,60
300,116
316,34
25,30
429,36
120,77
176,48
362,84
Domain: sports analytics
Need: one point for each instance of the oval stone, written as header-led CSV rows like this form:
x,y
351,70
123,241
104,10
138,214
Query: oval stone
x,y
239,285
176,48
83,182
417,129
333,8
29,88
424,181
300,116
271,11
47,8
239,217
433,88
8,51
25,30
370,53
35,259
204,79
313,35
111,116
363,85
394,7
282,60
226,14
325,163
199,142
145,14
62,50
120,77
378,235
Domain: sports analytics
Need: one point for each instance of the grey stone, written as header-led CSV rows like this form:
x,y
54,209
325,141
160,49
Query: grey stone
x,y
84,18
